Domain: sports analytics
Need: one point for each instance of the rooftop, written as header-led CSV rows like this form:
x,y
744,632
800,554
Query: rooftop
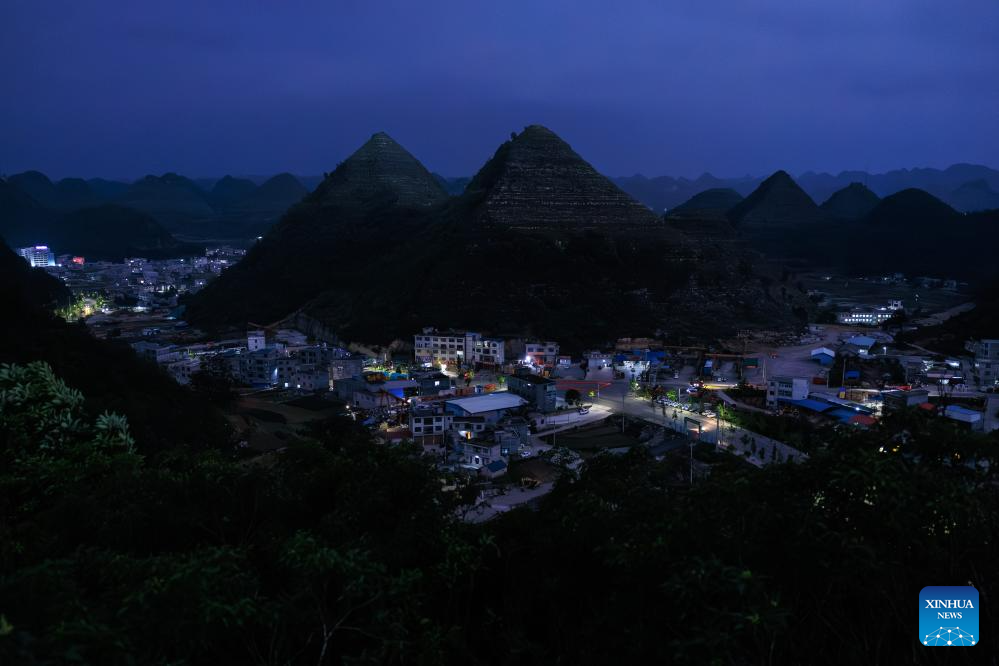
x,y
531,378
489,402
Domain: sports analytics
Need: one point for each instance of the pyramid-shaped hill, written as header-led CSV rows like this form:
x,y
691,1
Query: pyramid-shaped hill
x,y
777,202
340,238
709,204
912,210
914,232
380,172
536,180
853,202
539,244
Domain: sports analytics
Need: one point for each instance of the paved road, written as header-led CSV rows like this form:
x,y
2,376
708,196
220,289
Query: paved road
x,y
760,449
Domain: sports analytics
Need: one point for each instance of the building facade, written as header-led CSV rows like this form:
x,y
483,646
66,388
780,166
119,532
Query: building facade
x,y
432,347
986,360
786,388
539,391
865,317
39,256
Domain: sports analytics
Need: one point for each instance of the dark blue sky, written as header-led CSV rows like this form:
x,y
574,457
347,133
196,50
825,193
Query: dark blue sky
x,y
123,88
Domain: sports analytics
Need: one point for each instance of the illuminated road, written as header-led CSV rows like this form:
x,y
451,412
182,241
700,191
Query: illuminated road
x,y
760,449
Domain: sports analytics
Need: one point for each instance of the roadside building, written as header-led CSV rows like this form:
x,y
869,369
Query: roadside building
x,y
986,360
860,344
432,347
484,351
865,316
539,391
898,400
156,352
782,388
429,423
433,384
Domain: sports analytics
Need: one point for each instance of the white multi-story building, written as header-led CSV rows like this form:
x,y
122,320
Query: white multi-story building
x,y
256,340
786,388
865,317
487,351
456,348
39,256
541,353
986,360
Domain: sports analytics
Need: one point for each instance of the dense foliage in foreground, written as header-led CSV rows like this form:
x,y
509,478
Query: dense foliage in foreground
x,y
341,551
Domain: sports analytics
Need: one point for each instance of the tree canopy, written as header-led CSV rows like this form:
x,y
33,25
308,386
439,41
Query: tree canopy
x,y
338,550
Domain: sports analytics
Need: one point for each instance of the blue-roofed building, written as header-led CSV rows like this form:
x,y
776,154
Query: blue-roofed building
x,y
964,415
863,341
841,414
817,406
824,356
494,469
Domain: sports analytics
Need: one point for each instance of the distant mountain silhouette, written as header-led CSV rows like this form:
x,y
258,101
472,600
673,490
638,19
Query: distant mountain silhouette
x,y
276,194
23,221
66,194
709,204
666,192
108,190
102,232
113,232
663,193
974,196
853,202
175,201
229,191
